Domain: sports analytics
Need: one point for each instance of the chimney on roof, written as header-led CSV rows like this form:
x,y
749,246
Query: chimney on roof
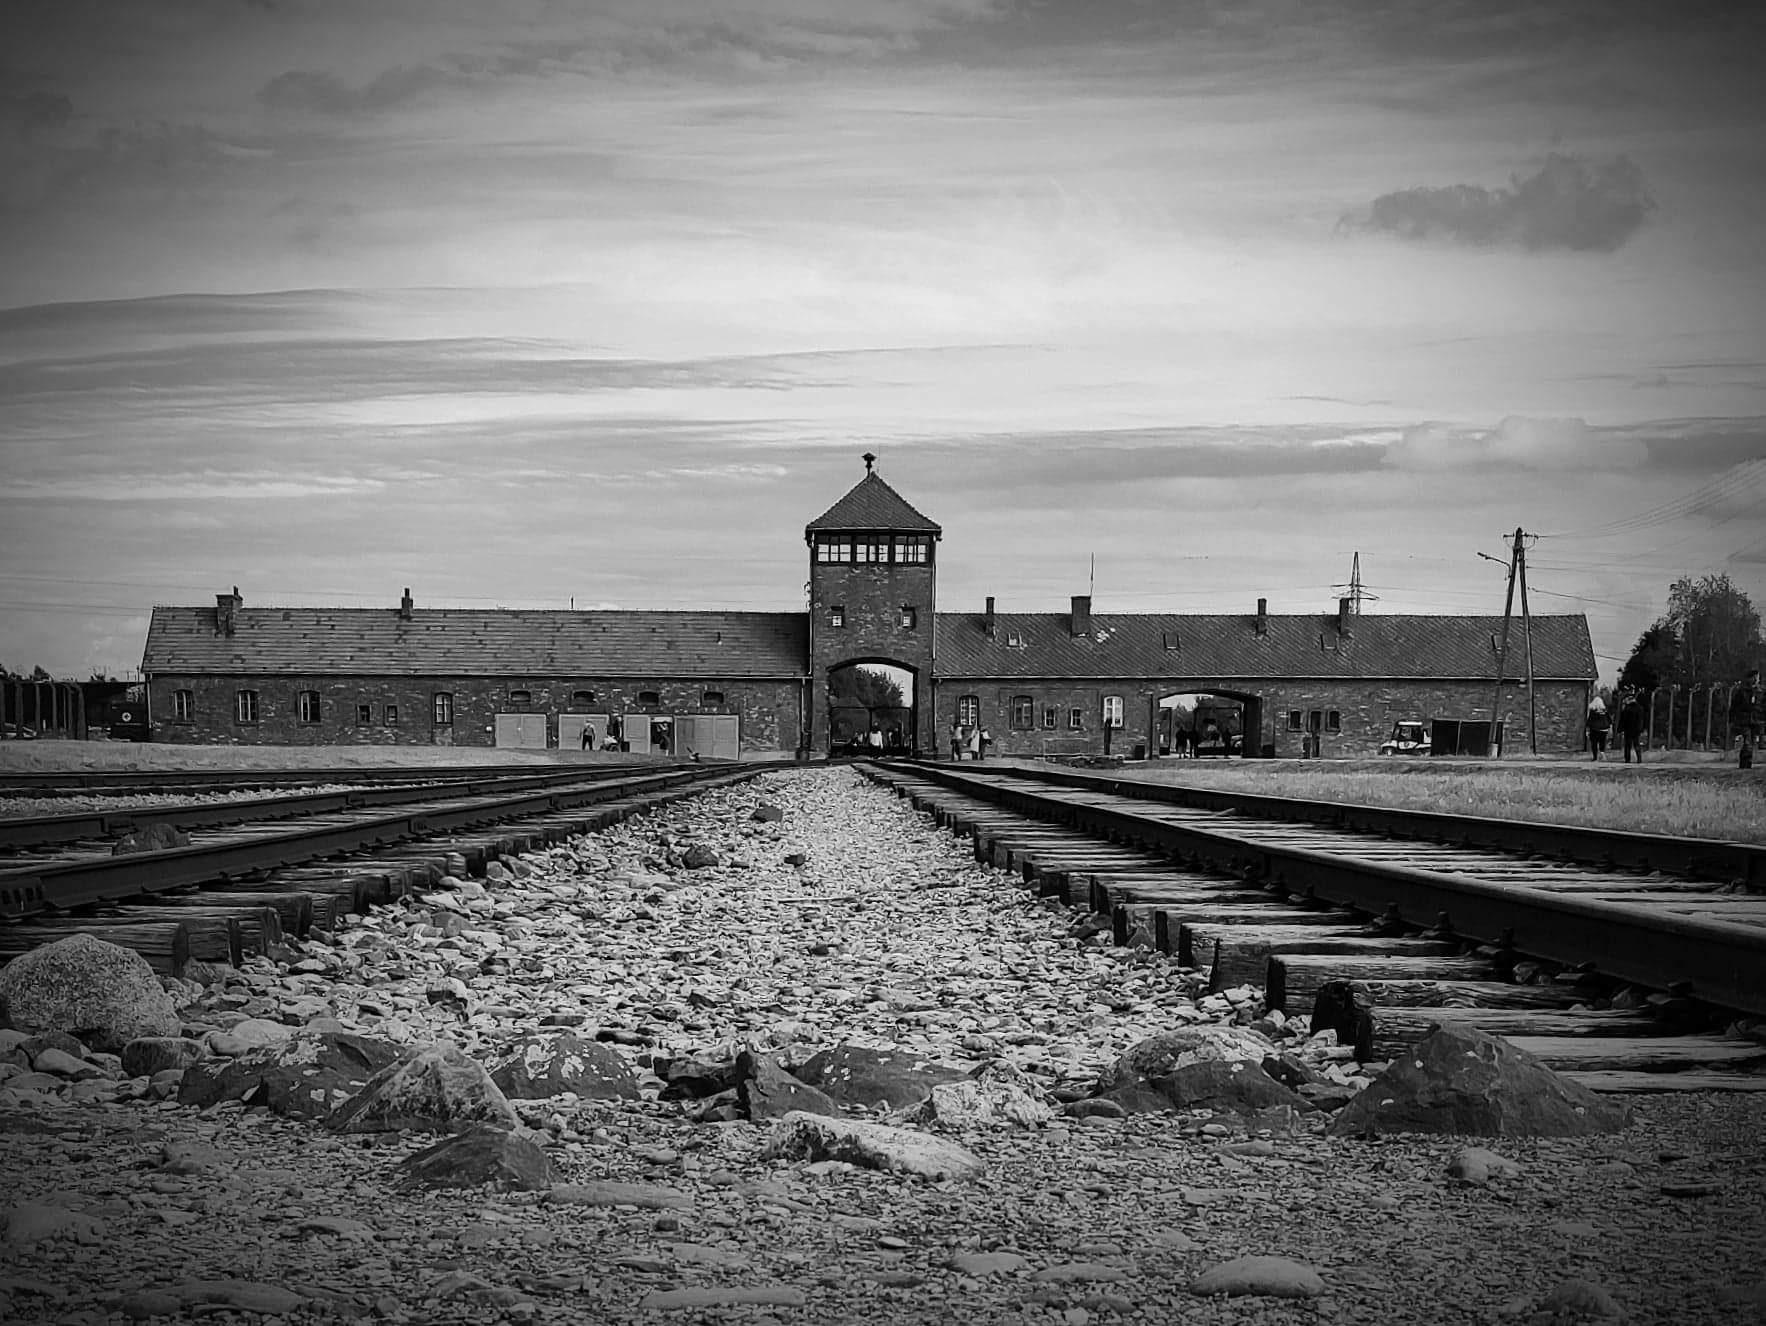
x,y
987,622
405,605
1262,616
1082,614
1343,615
226,612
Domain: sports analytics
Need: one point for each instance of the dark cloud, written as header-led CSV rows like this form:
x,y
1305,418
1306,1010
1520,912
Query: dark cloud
x,y
1569,203
326,94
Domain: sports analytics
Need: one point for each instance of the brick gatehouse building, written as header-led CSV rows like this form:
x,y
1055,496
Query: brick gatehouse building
x,y
756,684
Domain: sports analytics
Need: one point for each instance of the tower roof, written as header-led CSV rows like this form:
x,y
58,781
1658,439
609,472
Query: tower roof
x,y
873,505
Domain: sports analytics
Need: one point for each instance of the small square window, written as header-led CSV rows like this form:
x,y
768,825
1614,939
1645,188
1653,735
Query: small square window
x,y
582,697
1293,720
364,713
910,618
520,697
837,615
712,697
1014,639
392,715
1333,721
649,697
1076,719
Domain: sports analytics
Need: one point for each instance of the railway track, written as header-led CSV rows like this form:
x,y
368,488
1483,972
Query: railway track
x,y
260,882
115,782
1623,977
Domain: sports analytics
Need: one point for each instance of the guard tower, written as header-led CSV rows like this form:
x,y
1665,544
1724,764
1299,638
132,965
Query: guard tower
x,y
872,597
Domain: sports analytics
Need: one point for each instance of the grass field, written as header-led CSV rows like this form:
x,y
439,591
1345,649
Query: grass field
x,y
1696,798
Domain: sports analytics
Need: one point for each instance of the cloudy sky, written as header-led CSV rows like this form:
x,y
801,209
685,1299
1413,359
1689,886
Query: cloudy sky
x,y
528,302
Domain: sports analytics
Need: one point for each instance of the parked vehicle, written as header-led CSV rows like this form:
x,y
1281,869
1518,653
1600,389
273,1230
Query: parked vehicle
x,y
1408,737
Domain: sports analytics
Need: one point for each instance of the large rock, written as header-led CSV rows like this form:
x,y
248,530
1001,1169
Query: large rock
x,y
765,1090
1234,1086
800,1136
102,994
305,1077
1466,1082
859,1075
996,1095
1164,1053
434,1092
480,1155
545,1064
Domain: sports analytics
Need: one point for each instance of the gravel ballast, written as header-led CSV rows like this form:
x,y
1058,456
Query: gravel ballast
x,y
888,934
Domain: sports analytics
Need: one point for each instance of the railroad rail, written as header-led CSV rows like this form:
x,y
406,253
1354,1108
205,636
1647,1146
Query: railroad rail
x,y
119,782
1347,926
100,825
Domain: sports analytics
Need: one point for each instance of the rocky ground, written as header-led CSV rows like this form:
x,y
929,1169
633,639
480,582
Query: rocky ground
x,y
848,920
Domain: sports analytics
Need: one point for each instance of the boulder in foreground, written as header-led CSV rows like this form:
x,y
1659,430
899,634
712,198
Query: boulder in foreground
x,y
801,1136
105,995
433,1092
1463,1082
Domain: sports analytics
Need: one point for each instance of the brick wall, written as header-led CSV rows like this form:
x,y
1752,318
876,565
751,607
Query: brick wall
x,y
768,709
1366,712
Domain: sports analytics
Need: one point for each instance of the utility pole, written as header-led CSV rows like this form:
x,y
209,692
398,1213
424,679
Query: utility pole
x,y
1508,608
1527,639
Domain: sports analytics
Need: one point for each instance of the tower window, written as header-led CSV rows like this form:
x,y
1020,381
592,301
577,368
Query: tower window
x,y
911,549
833,547
837,614
871,550
910,617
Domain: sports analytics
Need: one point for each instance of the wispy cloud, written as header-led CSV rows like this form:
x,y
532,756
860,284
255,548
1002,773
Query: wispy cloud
x,y
1545,445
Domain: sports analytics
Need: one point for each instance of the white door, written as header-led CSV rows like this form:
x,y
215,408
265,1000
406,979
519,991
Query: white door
x,y
635,731
522,731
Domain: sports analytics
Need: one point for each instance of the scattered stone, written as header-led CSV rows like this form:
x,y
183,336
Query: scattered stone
x,y
32,1223
684,1300
545,1064
608,1192
800,1136
996,1095
860,1075
146,1055
767,813
1276,1276
1163,1054
1459,1080
1075,1272
191,1157
765,1090
1580,1298
478,1156
59,1063
1476,1165
989,1263
700,857
246,1036
103,994
432,1092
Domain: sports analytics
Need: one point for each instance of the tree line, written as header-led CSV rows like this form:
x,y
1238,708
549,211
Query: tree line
x,y
1697,654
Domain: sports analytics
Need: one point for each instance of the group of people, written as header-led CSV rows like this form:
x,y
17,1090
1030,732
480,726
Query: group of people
x,y
1747,717
969,739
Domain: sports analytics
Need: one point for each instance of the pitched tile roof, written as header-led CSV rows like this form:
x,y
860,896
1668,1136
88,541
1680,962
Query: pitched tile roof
x,y
478,642
872,505
1150,645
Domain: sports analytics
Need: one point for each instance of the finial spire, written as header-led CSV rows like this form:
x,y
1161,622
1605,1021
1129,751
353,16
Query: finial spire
x,y
869,460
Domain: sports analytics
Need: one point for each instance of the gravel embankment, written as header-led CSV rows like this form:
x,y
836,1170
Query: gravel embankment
x,y
888,934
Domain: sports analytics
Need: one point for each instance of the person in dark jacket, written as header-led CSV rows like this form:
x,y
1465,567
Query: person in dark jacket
x,y
1598,725
1631,727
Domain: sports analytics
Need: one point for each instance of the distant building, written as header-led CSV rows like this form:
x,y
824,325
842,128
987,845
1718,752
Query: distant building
x,y
724,684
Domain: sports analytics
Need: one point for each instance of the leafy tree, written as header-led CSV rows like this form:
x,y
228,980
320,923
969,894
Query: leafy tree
x,y
1719,629
1653,660
867,687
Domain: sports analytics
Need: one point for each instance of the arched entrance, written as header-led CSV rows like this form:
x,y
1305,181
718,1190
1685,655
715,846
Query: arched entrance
x,y
1196,723
873,695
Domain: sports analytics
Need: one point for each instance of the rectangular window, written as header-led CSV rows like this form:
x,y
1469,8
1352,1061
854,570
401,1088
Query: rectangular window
x,y
1076,719
968,710
837,615
650,697
1023,712
245,706
392,715
910,549
1293,720
520,697
833,548
364,713
184,706
1314,720
582,697
712,697
307,706
442,710
1112,711
910,618
871,550
1333,721
1051,717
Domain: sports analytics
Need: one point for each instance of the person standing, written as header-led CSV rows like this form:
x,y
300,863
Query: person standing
x,y
1747,716
956,741
1631,727
975,742
985,741
1598,725
588,735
